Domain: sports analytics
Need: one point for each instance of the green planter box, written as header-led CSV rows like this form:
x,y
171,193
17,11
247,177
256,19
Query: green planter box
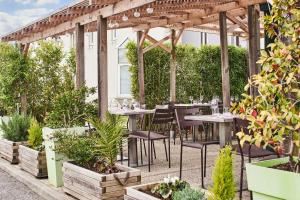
x,y
272,184
54,159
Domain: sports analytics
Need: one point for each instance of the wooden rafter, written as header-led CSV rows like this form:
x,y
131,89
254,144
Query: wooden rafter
x,y
156,43
235,20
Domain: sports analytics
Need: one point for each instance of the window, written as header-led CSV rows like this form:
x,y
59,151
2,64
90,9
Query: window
x,y
124,74
125,82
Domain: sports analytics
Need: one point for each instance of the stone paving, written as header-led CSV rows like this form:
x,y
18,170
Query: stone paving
x,y
11,189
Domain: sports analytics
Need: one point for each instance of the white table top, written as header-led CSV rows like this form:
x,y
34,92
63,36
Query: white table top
x,y
128,112
212,118
192,105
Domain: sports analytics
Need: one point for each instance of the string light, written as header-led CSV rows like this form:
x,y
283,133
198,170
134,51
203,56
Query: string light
x,y
125,18
136,14
149,10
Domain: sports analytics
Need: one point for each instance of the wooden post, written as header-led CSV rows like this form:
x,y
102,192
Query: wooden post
x,y
102,66
254,43
224,60
237,41
173,68
79,29
141,68
24,48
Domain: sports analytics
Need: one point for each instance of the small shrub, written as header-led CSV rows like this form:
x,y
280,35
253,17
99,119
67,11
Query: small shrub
x,y
170,185
16,129
96,151
35,138
224,185
189,194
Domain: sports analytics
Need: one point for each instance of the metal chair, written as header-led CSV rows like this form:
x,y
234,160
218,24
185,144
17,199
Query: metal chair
x,y
247,150
202,145
161,117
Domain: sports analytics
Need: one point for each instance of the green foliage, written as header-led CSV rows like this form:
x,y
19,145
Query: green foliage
x,y
274,113
78,148
97,150
189,194
110,135
16,129
70,109
35,137
223,179
202,65
169,187
14,78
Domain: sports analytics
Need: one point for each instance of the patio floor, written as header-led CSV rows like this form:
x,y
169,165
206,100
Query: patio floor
x,y
191,166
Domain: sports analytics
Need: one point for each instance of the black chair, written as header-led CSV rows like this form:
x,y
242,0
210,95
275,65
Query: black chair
x,y
202,145
247,150
161,118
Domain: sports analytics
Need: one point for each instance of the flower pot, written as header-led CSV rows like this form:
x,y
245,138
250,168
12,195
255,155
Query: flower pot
x,y
272,184
33,162
10,150
84,184
54,159
138,192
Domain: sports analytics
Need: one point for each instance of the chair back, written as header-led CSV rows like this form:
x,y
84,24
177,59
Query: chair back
x,y
184,124
241,125
163,116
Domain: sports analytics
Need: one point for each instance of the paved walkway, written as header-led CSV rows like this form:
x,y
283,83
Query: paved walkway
x,y
11,189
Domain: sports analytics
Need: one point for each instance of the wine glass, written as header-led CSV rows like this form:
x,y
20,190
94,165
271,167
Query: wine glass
x,y
201,99
191,99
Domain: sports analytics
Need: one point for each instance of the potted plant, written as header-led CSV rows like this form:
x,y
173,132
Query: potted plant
x,y
172,188
274,114
32,156
93,171
14,134
68,115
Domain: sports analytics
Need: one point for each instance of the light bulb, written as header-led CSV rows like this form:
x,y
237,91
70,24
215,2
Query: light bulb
x,y
149,10
136,14
110,24
125,18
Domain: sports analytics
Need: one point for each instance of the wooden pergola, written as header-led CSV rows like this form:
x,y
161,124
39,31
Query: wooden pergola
x,y
235,17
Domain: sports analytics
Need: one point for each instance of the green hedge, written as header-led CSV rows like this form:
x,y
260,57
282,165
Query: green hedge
x,y
198,72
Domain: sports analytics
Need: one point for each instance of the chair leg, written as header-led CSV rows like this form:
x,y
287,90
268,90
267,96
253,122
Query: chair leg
x,y
145,148
180,169
166,149
141,149
153,146
205,153
242,179
202,174
150,154
169,143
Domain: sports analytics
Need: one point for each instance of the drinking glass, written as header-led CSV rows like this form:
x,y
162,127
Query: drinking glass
x,y
201,99
191,99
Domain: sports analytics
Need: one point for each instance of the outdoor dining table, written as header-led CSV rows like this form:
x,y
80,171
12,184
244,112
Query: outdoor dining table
x,y
132,126
224,122
193,105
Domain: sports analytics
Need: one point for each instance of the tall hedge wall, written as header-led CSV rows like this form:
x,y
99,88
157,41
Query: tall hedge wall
x,y
198,72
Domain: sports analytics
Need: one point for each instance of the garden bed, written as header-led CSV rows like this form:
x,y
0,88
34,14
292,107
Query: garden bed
x,y
140,192
10,150
33,161
85,184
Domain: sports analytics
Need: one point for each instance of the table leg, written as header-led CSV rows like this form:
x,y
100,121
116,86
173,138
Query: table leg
x,y
225,134
132,143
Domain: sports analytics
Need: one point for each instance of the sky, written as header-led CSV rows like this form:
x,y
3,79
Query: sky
x,y
17,13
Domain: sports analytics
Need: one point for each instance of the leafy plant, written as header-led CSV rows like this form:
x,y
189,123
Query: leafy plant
x,y
189,194
223,179
70,109
202,65
35,138
274,112
169,187
78,148
110,135
97,150
16,129
14,76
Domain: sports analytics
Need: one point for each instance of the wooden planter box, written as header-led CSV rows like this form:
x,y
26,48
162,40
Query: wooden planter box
x,y
85,184
33,161
138,192
10,150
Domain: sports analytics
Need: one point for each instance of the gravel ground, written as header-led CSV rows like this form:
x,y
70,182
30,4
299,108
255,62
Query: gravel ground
x,y
11,189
